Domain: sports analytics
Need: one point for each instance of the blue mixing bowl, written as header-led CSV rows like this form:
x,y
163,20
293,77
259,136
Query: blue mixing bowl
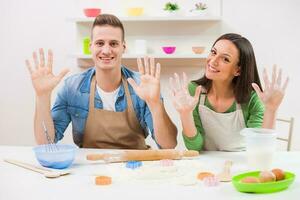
x,y
59,156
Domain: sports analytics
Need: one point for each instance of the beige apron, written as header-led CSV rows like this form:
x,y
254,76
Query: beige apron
x,y
113,130
222,130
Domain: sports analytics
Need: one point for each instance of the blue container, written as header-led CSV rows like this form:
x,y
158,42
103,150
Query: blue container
x,y
59,157
133,164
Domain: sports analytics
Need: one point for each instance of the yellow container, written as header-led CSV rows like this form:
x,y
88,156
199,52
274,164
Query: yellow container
x,y
137,11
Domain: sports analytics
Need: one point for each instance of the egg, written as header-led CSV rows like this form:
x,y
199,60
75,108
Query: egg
x,y
266,176
250,179
279,174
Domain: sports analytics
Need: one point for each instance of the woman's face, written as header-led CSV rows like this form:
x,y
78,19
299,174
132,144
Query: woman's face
x,y
222,62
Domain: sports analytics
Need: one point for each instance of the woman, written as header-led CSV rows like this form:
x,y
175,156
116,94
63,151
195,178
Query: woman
x,y
228,98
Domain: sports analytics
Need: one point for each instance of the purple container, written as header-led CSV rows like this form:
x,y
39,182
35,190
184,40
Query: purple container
x,y
169,50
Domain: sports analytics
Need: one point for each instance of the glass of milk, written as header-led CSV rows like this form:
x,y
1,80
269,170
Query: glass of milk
x,y
260,147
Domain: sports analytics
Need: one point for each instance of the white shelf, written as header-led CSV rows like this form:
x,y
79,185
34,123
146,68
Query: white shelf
x,y
172,60
153,19
183,30
159,56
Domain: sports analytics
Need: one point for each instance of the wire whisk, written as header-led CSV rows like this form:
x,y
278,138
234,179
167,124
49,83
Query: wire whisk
x,y
51,146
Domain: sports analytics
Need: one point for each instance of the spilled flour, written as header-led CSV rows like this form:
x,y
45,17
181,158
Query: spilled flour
x,y
182,172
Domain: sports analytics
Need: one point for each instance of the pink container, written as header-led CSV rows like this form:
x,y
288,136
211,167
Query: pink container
x,y
169,50
92,12
211,181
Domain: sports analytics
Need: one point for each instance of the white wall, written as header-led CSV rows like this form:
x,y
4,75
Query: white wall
x,y
271,25
273,28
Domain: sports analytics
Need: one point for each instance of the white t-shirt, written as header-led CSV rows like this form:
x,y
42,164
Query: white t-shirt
x,y
108,98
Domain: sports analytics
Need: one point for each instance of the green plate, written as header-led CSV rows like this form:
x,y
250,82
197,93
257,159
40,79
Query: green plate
x,y
268,187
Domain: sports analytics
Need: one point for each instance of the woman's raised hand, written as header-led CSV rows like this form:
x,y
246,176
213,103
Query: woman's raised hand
x,y
43,80
274,90
183,102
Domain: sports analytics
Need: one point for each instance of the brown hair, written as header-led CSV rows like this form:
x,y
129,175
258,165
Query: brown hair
x,y
242,87
108,19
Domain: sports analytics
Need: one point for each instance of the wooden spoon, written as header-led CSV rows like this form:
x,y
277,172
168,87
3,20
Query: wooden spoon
x,y
46,172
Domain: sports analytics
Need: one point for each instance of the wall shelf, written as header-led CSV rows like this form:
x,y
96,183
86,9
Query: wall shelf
x,y
153,19
134,56
172,60
182,31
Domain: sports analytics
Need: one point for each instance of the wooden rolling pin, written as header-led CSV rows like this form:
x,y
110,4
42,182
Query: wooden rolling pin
x,y
142,155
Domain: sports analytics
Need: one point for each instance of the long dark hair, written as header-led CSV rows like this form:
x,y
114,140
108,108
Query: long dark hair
x,y
248,70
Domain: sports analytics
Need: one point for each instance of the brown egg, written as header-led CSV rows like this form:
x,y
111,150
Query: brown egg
x,y
279,174
250,179
266,176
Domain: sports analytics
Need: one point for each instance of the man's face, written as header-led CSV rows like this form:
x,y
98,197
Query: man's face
x,y
107,47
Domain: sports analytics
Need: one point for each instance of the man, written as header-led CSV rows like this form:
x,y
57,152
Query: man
x,y
105,111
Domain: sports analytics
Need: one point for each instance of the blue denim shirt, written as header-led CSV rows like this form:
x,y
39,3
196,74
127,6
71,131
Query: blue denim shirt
x,y
72,105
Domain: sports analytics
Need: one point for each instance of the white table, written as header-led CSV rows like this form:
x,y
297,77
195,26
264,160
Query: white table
x,y
19,183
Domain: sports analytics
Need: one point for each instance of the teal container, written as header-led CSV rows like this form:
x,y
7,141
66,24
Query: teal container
x,y
86,46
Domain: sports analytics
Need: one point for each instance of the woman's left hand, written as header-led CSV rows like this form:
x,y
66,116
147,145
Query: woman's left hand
x,y
274,91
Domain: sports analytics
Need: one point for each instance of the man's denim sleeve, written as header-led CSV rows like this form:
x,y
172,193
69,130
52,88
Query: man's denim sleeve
x,y
61,118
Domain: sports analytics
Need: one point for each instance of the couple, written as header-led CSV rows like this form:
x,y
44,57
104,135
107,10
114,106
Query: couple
x,y
107,112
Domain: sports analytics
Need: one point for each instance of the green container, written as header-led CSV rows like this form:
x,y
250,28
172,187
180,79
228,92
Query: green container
x,y
267,187
86,46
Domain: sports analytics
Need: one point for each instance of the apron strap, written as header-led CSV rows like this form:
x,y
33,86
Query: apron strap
x,y
203,96
127,94
92,94
202,99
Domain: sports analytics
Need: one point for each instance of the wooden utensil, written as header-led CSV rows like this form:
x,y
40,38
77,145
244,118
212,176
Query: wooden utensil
x,y
46,172
142,155
225,175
